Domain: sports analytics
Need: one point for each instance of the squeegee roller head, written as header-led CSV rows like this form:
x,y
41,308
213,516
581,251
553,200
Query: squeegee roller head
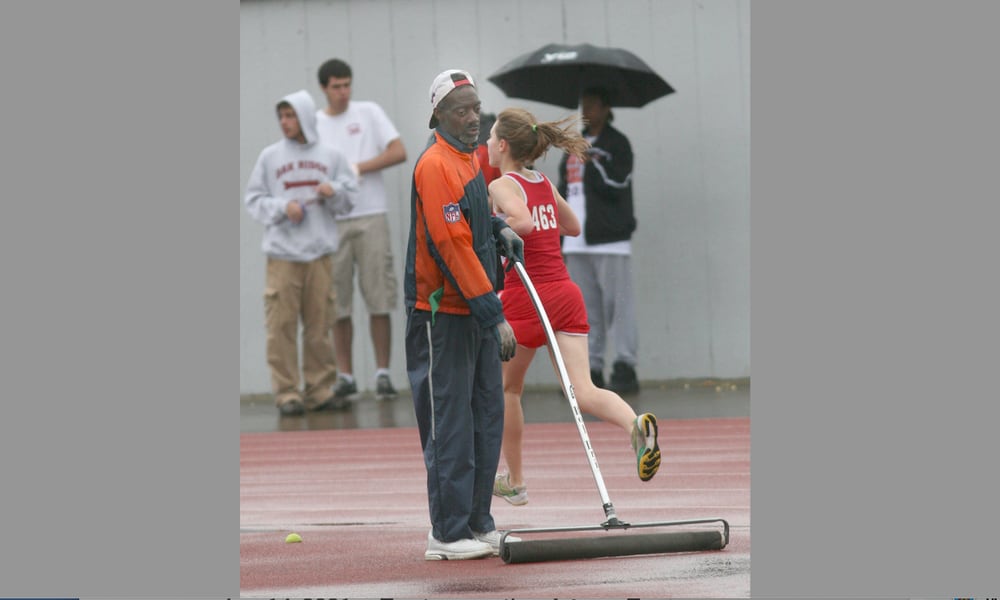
x,y
610,545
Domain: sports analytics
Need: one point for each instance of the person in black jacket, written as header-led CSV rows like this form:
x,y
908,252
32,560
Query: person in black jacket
x,y
599,190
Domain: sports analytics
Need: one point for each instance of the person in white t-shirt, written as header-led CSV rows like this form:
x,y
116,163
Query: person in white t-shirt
x,y
362,132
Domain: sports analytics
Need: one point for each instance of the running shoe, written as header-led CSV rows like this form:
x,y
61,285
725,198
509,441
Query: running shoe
x,y
493,539
383,388
343,390
647,450
291,408
515,495
623,379
457,550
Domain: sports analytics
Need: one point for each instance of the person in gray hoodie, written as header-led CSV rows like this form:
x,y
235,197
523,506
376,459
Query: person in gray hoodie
x,y
296,189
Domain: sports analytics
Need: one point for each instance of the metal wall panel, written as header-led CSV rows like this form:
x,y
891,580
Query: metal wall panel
x,y
692,181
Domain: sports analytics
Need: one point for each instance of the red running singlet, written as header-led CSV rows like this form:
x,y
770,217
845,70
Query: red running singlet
x,y
543,261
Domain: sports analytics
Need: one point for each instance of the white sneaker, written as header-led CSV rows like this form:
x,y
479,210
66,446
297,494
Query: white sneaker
x,y
502,488
457,550
493,539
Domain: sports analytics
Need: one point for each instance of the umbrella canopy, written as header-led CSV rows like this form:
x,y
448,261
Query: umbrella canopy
x,y
557,73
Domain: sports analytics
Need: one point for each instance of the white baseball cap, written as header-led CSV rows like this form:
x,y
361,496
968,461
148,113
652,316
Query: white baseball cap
x,y
443,84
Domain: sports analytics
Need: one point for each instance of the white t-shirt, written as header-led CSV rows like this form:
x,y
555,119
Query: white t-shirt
x,y
361,132
575,198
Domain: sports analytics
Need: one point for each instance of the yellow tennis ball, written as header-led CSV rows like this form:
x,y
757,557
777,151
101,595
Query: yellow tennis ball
x,y
292,538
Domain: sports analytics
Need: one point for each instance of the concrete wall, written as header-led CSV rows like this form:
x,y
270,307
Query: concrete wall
x,y
691,252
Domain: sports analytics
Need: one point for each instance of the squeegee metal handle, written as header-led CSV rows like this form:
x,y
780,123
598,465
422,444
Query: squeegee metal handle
x,y
609,509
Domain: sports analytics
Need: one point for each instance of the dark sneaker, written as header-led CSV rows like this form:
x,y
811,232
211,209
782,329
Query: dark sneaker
x,y
322,405
343,391
623,379
597,377
383,388
646,446
291,408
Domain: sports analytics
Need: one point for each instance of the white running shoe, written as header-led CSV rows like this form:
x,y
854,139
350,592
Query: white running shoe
x,y
457,550
493,539
502,488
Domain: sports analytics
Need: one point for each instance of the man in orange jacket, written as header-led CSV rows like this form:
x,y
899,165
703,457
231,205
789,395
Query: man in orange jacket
x,y
456,334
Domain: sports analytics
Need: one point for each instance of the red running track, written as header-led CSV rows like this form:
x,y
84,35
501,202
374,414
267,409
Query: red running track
x,y
358,499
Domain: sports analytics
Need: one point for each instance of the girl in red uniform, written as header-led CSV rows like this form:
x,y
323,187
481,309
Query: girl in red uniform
x,y
536,211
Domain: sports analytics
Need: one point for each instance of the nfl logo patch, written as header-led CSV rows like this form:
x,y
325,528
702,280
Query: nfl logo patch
x,y
452,213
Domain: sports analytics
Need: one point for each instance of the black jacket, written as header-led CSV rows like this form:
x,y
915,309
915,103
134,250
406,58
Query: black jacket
x,y
607,186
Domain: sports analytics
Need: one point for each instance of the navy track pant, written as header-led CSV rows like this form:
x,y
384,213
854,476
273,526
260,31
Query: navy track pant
x,y
455,375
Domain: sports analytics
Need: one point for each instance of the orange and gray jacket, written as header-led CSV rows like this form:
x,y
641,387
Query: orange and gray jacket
x,y
451,257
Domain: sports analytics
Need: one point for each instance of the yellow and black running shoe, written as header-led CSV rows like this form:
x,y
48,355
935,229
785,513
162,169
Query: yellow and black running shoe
x,y
644,442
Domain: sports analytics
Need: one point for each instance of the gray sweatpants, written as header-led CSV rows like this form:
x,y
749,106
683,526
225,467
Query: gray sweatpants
x,y
606,283
454,371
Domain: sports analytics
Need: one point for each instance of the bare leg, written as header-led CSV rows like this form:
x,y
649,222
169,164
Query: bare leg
x,y
603,404
381,332
513,418
343,338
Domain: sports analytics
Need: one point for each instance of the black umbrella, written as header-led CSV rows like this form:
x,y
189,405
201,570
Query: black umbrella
x,y
557,73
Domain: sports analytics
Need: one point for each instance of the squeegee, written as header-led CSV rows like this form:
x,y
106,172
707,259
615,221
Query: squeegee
x,y
683,538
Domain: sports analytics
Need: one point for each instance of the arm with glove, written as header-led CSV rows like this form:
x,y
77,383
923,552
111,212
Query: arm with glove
x,y
509,244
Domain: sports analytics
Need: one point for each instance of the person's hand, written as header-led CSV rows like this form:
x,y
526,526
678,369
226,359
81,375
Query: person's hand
x,y
504,334
356,171
325,190
513,247
294,211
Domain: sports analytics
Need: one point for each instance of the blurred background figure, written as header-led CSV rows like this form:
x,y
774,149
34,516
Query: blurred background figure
x,y
297,188
364,134
599,190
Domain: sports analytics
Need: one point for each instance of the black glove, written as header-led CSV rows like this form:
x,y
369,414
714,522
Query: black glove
x,y
511,246
504,335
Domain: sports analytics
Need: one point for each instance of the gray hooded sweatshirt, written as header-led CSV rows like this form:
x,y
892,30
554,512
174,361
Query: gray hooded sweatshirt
x,y
289,171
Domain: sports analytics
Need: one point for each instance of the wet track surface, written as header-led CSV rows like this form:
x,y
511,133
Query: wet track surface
x,y
352,484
